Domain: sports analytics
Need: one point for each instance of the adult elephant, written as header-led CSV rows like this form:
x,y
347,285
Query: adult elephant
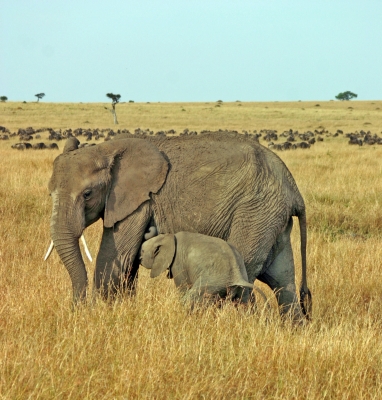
x,y
219,184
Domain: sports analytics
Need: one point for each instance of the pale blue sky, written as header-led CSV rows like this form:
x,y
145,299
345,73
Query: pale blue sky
x,y
195,50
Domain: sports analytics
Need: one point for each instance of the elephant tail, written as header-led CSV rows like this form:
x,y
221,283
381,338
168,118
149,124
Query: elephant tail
x,y
305,295
243,283
248,285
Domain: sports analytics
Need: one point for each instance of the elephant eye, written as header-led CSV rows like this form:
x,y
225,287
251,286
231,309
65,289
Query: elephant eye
x,y
87,194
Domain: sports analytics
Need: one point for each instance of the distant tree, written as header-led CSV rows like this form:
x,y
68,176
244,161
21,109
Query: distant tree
x,y
348,95
39,96
3,98
114,100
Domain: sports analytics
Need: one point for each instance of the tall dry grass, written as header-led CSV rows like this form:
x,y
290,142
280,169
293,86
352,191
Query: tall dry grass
x,y
149,346
198,116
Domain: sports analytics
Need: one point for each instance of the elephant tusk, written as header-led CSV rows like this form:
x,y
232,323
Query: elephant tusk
x,y
86,248
49,250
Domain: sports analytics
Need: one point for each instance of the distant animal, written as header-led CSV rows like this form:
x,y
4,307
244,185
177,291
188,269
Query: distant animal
x,y
21,146
39,146
355,140
303,145
53,135
204,268
25,138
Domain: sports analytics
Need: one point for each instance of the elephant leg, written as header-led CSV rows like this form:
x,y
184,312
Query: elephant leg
x,y
192,297
109,276
199,295
280,277
240,295
131,277
254,259
118,257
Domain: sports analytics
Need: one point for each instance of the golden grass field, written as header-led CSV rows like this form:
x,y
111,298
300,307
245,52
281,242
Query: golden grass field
x,y
149,347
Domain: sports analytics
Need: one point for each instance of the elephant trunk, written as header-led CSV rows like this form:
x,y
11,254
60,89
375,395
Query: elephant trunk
x,y
66,242
69,252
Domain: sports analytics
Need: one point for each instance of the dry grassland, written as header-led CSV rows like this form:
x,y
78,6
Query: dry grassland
x,y
149,346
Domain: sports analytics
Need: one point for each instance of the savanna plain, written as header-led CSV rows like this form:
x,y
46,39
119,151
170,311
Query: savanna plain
x,y
150,346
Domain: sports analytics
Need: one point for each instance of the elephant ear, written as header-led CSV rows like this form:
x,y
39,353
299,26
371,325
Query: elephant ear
x,y
137,170
163,253
71,144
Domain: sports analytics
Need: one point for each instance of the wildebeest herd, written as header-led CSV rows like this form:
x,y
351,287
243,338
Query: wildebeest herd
x,y
287,140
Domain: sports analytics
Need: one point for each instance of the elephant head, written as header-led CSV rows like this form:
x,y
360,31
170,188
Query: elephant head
x,y
158,254
110,181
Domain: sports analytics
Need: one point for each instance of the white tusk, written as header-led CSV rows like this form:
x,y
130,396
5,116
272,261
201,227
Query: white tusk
x,y
86,248
49,250
83,241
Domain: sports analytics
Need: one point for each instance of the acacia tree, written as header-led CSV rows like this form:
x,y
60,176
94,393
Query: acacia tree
x,y
39,96
114,100
348,95
3,98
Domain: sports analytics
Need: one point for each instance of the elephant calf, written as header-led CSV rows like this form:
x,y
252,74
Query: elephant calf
x,y
201,266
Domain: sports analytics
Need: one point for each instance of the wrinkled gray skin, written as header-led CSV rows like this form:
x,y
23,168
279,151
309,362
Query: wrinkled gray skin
x,y
200,265
219,184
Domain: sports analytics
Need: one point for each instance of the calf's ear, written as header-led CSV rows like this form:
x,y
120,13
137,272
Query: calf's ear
x,y
163,254
137,169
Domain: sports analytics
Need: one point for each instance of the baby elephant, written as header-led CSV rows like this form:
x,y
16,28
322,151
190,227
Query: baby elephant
x,y
202,266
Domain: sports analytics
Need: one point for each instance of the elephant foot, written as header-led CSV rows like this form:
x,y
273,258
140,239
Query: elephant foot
x,y
306,303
